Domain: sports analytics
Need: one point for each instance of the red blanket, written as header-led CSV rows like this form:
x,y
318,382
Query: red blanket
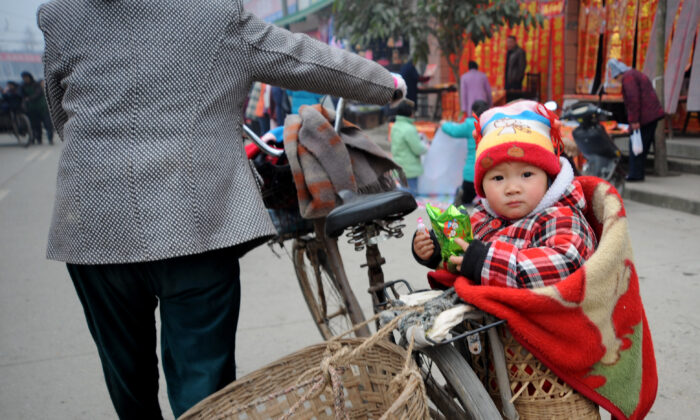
x,y
590,329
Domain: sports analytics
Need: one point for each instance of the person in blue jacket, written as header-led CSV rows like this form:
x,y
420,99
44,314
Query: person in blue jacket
x,y
302,97
465,131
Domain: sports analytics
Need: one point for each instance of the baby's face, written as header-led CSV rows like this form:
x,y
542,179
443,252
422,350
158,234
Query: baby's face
x,y
514,189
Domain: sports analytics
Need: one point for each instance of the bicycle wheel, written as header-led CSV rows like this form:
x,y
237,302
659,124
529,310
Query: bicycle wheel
x,y
21,128
328,308
456,391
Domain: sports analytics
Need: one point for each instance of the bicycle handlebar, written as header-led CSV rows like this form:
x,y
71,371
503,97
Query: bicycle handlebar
x,y
267,149
261,144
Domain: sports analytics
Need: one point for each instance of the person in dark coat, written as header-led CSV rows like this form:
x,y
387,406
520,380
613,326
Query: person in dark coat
x,y
155,200
281,105
36,108
516,61
11,98
411,77
643,111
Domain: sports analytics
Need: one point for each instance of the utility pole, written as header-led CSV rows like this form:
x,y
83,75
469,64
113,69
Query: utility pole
x,y
660,158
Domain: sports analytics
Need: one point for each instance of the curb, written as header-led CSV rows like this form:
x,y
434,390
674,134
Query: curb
x,y
661,200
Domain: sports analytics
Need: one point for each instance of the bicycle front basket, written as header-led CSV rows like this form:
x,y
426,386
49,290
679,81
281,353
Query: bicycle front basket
x,y
272,391
278,190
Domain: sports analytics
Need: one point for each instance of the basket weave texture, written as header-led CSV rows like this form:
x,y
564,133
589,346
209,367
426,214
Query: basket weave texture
x,y
537,392
271,391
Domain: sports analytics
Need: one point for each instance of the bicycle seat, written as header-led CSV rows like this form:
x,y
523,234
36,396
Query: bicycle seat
x,y
367,207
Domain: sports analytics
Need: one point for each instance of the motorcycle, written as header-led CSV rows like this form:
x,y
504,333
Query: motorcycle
x,y
602,158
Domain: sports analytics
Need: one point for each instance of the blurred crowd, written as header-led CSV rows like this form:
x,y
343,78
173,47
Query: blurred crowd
x,y
28,97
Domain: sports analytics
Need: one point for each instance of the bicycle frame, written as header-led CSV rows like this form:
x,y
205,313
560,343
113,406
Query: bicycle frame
x,y
330,245
336,264
365,235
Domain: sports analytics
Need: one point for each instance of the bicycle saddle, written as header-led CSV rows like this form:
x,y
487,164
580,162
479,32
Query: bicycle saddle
x,y
367,207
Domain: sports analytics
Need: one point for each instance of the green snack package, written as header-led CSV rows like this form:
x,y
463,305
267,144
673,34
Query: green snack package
x,y
448,225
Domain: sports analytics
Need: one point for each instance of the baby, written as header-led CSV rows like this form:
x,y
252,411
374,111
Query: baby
x,y
529,229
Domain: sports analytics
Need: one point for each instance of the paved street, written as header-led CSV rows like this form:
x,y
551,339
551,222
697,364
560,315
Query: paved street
x,y
49,366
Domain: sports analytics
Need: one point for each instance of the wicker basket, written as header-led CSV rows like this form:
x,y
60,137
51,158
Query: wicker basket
x,y
537,392
270,392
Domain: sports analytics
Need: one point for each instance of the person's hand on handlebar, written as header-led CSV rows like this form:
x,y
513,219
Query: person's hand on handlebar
x,y
423,245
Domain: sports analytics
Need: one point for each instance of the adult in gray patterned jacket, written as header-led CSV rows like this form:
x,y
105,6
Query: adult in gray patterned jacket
x,y
155,201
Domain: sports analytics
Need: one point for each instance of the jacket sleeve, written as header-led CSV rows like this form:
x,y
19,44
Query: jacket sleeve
x,y
631,96
414,143
463,95
558,251
298,62
522,63
434,259
489,94
462,130
53,72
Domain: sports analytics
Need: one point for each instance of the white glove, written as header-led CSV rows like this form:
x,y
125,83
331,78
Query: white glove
x,y
399,86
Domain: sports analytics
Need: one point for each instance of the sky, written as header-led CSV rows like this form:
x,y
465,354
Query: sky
x,y
18,24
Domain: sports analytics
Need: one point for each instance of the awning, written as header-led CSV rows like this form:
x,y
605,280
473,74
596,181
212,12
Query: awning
x,y
301,14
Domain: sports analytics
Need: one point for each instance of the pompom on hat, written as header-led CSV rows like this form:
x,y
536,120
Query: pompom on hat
x,y
522,131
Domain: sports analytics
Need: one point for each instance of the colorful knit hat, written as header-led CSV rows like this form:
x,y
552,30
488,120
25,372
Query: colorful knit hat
x,y
521,131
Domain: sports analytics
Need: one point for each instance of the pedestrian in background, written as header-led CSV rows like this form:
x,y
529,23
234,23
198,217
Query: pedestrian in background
x,y
262,109
281,105
643,111
155,200
11,98
406,145
465,130
298,98
35,106
412,77
516,62
474,86
254,111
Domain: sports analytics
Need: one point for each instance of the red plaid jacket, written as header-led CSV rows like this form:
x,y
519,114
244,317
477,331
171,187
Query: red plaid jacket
x,y
534,251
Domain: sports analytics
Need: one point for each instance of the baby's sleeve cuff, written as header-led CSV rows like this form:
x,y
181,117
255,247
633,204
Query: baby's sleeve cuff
x,y
473,261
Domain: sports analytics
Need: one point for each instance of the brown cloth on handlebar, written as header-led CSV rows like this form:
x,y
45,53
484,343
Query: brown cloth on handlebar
x,y
324,162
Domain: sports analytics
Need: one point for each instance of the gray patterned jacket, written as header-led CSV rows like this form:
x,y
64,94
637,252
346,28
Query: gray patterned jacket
x,y
148,96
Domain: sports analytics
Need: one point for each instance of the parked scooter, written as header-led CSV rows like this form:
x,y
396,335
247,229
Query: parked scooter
x,y
603,157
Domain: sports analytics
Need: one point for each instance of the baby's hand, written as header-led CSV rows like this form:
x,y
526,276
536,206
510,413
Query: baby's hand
x,y
457,261
423,246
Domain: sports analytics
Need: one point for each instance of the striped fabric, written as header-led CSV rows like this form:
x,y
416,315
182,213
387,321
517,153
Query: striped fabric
x,y
324,163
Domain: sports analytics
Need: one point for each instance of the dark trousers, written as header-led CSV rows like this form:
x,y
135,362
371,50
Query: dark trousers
x,y
48,125
636,170
199,298
264,124
35,119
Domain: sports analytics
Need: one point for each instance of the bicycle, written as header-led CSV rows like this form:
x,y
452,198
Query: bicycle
x,y
365,217
334,307
17,123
